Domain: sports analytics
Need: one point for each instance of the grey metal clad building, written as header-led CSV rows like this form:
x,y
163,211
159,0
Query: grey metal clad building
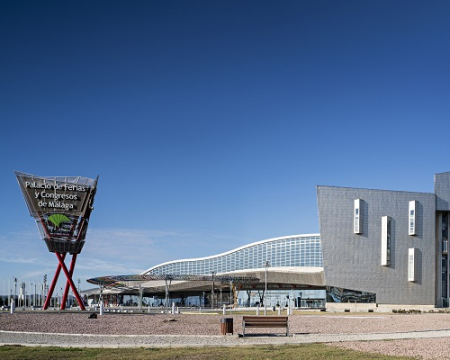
x,y
391,244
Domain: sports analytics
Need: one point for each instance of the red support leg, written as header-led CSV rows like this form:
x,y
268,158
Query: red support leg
x,y
66,290
53,284
69,279
72,268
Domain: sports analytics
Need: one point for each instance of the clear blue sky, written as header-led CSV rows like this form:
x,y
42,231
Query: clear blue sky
x,y
211,122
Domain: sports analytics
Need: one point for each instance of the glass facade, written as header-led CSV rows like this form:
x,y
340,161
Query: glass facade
x,y
292,251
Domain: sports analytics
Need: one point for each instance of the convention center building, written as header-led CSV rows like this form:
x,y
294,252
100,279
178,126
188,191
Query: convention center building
x,y
376,247
289,268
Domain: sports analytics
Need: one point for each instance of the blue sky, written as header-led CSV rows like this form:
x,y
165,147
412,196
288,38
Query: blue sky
x,y
210,123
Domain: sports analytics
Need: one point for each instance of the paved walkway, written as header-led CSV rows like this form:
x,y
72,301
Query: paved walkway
x,y
123,341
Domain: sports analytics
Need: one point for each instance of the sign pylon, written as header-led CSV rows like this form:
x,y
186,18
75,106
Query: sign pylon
x,y
61,207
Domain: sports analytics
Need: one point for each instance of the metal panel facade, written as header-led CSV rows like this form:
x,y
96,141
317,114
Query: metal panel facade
x,y
442,190
353,261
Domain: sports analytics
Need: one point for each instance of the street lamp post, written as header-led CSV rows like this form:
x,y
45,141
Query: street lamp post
x,y
212,290
266,267
15,290
5,292
9,292
30,293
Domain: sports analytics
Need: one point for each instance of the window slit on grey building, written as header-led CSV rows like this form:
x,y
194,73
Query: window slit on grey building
x,y
412,217
444,239
412,264
357,220
385,241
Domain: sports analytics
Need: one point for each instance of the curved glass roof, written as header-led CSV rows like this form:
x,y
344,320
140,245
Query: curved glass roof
x,y
288,251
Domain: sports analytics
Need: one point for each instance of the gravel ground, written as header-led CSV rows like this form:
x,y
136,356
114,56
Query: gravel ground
x,y
417,348
148,329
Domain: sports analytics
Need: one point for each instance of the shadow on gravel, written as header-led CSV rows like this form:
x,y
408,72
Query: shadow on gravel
x,y
264,336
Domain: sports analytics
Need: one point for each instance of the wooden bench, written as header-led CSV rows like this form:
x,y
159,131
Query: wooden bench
x,y
265,322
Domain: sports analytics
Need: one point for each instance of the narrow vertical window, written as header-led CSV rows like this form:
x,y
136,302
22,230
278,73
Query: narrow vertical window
x,y
444,233
444,276
412,217
385,241
357,218
412,264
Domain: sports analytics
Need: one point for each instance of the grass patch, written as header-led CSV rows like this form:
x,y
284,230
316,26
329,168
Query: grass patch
x,y
304,352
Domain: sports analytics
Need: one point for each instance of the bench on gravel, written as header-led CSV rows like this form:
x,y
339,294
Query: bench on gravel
x,y
265,322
